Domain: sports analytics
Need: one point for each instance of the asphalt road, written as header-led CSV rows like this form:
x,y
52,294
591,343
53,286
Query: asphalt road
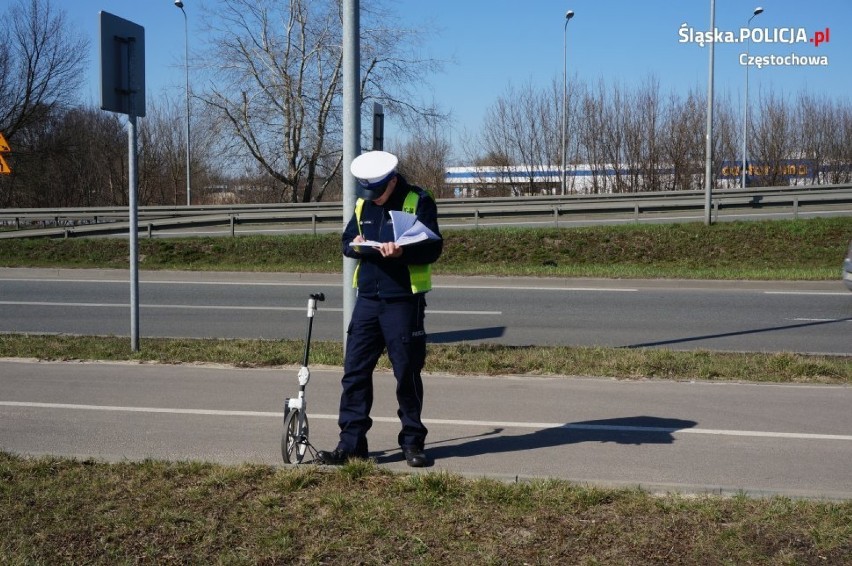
x,y
661,435
762,439
813,317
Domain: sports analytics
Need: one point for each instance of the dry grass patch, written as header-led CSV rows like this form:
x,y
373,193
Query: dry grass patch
x,y
454,359
66,511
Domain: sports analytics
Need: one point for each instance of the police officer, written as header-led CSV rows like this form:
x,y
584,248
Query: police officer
x,y
392,281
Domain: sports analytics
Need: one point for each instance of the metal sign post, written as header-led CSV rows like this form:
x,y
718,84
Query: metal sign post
x,y
351,138
123,91
378,127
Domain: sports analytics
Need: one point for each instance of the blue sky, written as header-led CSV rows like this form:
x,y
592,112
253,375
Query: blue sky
x,y
617,40
500,42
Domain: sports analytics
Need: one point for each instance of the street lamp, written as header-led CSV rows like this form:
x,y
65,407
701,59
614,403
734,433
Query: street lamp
x,y
179,4
568,15
757,11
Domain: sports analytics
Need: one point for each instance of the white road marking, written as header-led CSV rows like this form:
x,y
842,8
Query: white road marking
x,y
449,422
306,284
487,313
337,285
826,293
126,305
176,282
510,288
214,307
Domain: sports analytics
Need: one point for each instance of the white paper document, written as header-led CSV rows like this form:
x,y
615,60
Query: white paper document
x,y
406,230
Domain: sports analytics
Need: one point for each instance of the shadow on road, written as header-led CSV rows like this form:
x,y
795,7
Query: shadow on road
x,y
626,430
465,335
738,333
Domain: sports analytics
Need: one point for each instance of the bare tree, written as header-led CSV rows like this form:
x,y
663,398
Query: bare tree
x,y
840,146
632,139
73,158
41,63
162,158
772,141
522,135
277,85
814,130
40,71
825,140
423,160
592,144
498,144
727,144
93,168
642,128
683,144
394,69
613,131
573,121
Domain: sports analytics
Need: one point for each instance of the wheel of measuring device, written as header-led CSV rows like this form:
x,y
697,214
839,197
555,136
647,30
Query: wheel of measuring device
x,y
294,442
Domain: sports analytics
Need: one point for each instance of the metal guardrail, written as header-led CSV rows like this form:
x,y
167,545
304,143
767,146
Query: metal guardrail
x,y
114,220
165,211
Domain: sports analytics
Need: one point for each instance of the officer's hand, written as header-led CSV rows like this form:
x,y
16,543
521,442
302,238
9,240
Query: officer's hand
x,y
357,240
390,249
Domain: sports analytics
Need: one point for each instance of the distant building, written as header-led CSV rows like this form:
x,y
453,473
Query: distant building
x,y
526,180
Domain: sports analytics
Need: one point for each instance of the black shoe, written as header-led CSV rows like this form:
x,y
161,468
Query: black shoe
x,y
414,456
336,457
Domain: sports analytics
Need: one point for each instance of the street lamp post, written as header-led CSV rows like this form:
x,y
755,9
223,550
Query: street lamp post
x,y
179,4
708,159
568,15
757,11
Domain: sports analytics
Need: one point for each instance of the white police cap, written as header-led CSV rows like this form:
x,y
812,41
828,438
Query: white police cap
x,y
374,168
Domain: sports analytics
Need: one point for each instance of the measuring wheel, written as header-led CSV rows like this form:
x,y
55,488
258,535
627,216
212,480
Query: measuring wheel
x,y
294,441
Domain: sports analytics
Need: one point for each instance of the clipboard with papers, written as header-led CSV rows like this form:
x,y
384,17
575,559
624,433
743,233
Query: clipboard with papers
x,y
406,230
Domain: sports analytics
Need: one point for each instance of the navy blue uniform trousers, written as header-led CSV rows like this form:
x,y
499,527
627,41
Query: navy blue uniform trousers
x,y
395,324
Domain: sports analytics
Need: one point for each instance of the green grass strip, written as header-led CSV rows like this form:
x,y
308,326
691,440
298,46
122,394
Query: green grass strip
x,y
59,511
791,250
453,359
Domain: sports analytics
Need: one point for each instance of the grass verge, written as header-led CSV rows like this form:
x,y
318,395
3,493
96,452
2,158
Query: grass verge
x,y
65,511
454,359
793,250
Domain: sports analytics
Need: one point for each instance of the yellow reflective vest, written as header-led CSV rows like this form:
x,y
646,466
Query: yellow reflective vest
x,y
420,275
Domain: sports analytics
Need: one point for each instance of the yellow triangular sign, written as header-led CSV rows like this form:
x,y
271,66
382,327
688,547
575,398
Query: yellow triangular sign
x,y
4,167
4,145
